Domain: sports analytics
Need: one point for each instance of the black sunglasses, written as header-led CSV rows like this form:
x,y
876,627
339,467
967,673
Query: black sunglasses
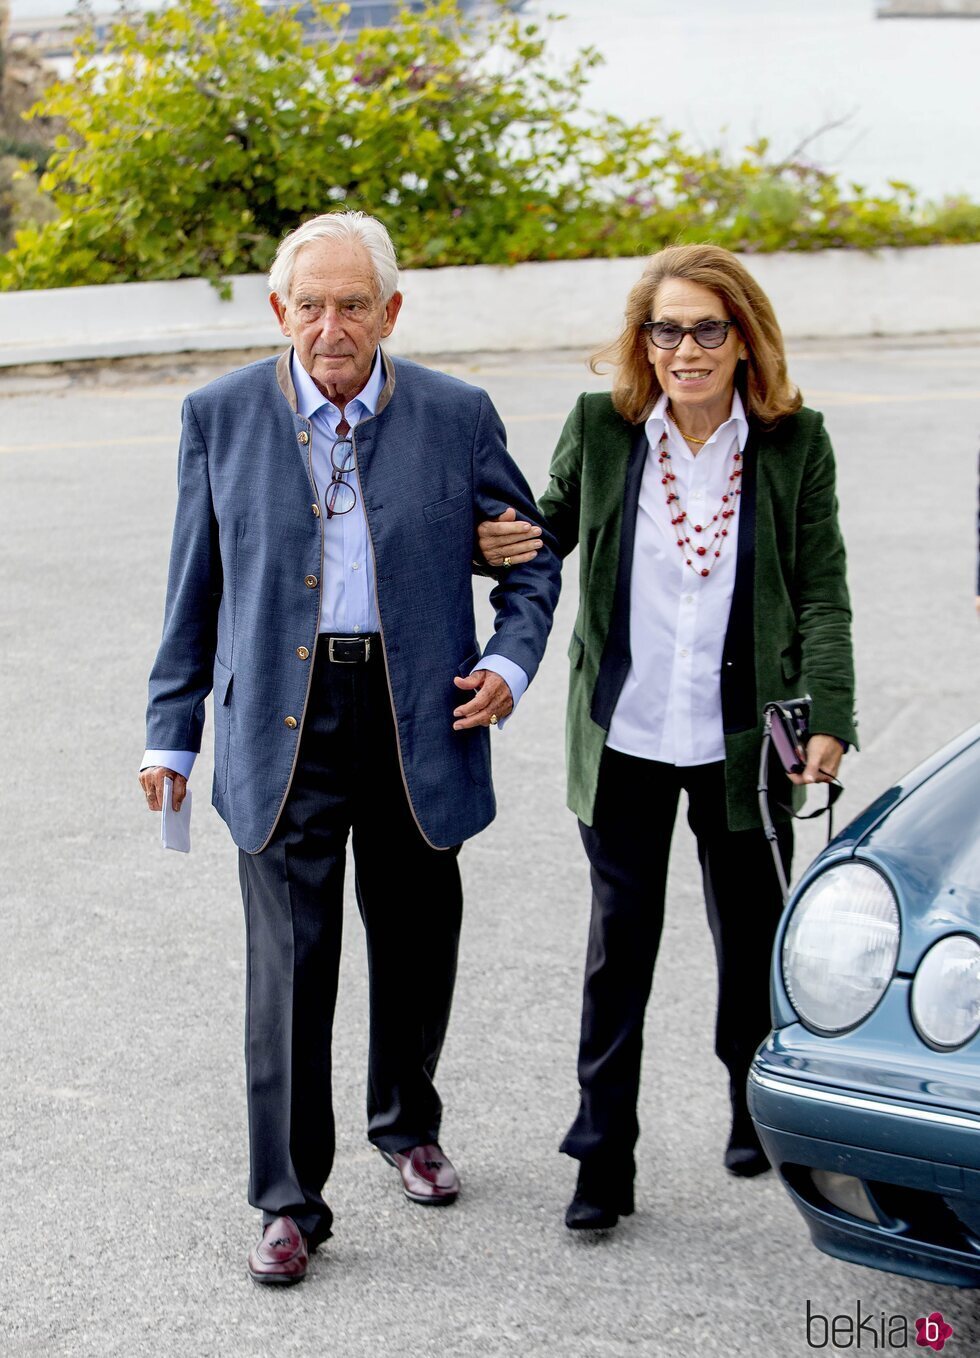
x,y
668,335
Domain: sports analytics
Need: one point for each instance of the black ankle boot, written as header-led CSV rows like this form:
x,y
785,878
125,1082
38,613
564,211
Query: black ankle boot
x,y
744,1156
603,1194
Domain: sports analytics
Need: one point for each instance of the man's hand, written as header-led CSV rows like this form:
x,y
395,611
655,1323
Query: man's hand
x,y
505,541
823,756
151,781
493,698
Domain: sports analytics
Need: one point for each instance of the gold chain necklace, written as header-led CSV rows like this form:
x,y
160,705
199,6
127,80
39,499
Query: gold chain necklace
x,y
690,437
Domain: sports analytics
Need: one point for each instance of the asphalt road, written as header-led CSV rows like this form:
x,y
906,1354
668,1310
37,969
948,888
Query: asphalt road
x,y
124,1222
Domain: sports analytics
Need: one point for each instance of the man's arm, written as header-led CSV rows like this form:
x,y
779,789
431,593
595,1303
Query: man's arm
x,y
525,596
182,674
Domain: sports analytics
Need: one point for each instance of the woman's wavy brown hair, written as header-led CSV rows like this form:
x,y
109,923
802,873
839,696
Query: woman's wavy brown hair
x,y
762,379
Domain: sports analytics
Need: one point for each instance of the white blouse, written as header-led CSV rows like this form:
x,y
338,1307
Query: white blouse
x,y
670,706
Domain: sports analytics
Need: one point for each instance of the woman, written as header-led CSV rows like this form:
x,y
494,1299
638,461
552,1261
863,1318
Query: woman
x,y
712,581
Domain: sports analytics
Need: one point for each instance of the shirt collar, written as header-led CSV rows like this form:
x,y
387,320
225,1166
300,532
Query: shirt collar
x,y
657,422
310,399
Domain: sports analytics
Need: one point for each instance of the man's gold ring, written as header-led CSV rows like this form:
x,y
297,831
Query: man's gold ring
x,y
493,719
506,561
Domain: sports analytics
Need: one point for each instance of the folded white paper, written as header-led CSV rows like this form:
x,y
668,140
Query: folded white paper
x,y
175,826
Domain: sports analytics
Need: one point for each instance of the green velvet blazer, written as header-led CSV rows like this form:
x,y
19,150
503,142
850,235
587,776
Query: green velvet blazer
x,y
789,629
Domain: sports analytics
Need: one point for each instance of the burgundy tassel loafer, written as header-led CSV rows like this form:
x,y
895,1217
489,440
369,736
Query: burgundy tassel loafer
x,y
281,1256
427,1174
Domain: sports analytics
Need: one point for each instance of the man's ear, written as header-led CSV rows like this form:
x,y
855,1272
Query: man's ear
x,y
279,308
392,308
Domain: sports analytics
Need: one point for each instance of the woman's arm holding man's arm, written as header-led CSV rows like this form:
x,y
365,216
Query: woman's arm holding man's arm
x,y
516,540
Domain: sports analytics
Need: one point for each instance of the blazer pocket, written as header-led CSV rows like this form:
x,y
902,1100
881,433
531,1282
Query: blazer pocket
x,y
468,665
792,662
441,509
221,682
576,650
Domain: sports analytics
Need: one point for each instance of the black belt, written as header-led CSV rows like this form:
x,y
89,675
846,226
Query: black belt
x,y
351,650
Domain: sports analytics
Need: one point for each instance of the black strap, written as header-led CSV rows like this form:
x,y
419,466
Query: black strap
x,y
834,790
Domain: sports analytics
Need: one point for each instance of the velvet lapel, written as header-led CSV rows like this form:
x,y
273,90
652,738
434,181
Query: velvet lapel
x,y
738,689
616,652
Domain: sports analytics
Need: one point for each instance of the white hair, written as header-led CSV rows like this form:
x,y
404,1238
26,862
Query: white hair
x,y
351,228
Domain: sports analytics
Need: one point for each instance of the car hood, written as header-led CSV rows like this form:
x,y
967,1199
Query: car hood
x,y
925,834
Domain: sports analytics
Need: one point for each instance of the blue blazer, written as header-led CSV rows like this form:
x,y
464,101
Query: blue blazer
x,y
243,594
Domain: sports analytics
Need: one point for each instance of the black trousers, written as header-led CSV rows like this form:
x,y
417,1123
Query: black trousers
x,y
347,781
628,846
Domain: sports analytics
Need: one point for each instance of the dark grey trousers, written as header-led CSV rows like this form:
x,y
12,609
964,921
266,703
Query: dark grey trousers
x,y
347,781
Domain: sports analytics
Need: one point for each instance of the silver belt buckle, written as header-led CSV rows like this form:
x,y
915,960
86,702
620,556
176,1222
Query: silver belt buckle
x,y
337,660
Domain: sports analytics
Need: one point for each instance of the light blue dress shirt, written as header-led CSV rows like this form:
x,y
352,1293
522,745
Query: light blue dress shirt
x,y
348,603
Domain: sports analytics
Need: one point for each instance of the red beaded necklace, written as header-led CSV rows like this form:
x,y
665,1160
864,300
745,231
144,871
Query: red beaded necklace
x,y
678,516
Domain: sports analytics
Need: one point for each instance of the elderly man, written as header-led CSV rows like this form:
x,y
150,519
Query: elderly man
x,y
320,583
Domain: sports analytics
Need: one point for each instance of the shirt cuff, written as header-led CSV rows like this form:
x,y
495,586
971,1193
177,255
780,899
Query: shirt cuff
x,y
513,676
181,761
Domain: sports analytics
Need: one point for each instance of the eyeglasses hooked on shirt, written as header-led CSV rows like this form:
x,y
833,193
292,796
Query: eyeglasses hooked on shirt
x,y
341,497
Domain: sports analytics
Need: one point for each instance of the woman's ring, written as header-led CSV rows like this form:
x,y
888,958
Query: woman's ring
x,y
506,561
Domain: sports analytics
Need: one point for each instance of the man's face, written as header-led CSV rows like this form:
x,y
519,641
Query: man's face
x,y
334,316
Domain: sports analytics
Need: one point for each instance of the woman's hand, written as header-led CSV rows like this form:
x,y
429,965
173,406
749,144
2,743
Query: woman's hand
x,y
505,541
823,756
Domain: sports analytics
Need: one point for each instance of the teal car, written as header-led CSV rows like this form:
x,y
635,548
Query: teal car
x,y
866,1095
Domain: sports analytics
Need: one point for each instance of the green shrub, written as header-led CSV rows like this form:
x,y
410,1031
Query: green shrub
x,y
23,149
215,128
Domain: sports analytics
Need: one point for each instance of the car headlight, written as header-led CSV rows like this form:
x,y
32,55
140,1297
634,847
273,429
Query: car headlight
x,y
946,991
841,946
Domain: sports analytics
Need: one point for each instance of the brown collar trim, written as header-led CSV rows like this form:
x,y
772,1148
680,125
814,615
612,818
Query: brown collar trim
x,y
388,390
285,379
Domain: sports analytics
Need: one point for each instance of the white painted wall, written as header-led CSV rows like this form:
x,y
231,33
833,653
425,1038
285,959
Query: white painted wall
x,y
567,304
